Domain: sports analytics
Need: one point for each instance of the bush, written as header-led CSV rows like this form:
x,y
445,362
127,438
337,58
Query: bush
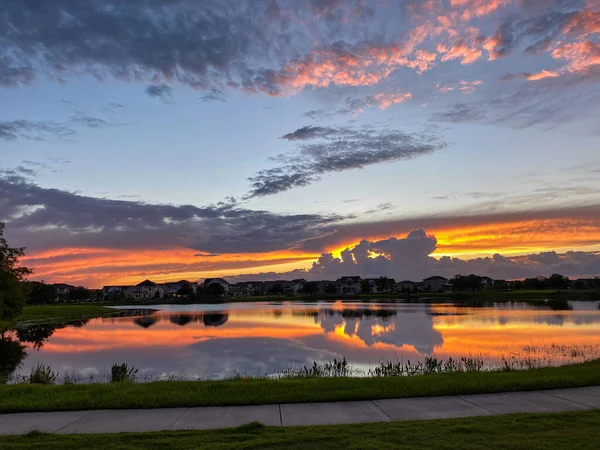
x,y
122,372
41,374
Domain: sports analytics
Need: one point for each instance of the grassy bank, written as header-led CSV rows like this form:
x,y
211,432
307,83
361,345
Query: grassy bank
x,y
66,311
28,398
579,430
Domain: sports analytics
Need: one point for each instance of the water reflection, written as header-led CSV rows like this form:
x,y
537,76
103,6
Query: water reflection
x,y
260,339
12,353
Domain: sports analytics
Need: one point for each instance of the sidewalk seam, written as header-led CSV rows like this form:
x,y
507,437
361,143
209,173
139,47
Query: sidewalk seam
x,y
179,418
280,416
566,399
475,404
79,418
380,409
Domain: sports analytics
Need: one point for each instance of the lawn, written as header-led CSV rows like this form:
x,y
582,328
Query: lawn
x,y
64,311
162,394
573,430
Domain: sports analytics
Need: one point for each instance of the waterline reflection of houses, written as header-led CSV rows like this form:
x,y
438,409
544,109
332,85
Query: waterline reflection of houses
x,y
215,319
146,321
412,327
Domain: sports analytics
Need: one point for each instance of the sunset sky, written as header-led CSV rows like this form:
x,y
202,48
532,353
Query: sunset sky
x,y
251,139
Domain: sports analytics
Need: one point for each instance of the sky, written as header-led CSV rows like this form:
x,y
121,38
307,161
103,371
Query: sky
x,y
261,139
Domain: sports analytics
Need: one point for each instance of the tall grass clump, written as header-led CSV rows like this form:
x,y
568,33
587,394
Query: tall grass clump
x,y
429,365
122,372
41,374
331,369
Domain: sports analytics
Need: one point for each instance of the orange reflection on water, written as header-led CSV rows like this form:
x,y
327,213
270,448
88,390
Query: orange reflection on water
x,y
285,335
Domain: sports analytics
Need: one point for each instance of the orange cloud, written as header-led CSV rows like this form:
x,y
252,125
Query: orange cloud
x,y
464,87
386,100
97,267
460,50
542,75
526,236
581,55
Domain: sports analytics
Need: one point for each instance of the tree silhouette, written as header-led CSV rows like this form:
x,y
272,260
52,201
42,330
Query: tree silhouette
x,y
40,293
13,290
215,290
12,353
331,289
181,319
277,289
186,290
310,288
145,321
365,287
215,319
37,334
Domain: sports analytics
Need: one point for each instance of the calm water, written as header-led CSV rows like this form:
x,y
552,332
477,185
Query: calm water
x,y
215,341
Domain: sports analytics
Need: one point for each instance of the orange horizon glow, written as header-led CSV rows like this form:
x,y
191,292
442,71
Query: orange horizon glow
x,y
96,267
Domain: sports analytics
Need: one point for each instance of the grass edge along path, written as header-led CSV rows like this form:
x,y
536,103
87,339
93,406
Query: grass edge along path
x,y
63,311
579,430
236,392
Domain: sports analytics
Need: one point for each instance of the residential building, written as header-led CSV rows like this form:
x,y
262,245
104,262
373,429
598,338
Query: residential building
x,y
241,289
436,284
322,286
220,281
62,289
348,285
113,291
145,290
172,289
294,287
376,285
407,286
487,283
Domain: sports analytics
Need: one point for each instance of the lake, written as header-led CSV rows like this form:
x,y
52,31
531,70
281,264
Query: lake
x,y
225,340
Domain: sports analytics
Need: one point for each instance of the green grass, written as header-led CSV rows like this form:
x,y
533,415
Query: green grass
x,y
69,311
573,430
163,394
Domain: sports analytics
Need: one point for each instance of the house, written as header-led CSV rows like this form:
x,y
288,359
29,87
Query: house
x,y
487,283
294,287
436,284
62,289
273,287
348,285
406,286
376,285
255,287
323,285
241,289
145,290
219,281
500,285
113,291
171,290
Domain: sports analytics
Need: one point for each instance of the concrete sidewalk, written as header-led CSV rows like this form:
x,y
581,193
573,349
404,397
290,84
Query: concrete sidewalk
x,y
142,420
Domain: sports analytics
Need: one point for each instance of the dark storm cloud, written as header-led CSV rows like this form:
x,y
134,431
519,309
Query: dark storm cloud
x,y
162,91
36,130
90,122
338,149
460,113
309,132
50,218
214,95
33,130
199,44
